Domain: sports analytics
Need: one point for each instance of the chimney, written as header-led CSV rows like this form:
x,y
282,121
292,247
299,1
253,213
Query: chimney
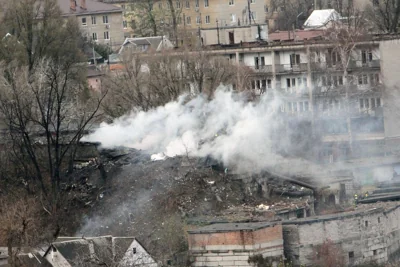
x,y
83,4
72,5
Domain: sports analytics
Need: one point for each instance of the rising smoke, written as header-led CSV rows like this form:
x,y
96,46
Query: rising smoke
x,y
238,133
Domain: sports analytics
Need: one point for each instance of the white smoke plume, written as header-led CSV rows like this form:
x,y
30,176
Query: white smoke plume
x,y
228,128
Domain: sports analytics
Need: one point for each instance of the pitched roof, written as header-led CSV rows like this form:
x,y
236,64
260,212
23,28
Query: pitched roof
x,y
156,42
107,249
92,7
299,35
320,18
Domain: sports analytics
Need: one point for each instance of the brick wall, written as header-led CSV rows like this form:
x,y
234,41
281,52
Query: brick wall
x,y
234,248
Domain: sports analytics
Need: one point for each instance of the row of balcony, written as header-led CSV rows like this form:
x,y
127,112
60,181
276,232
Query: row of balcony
x,y
353,65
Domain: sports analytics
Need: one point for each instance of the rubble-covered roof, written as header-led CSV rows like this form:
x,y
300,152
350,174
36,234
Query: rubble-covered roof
x,y
232,227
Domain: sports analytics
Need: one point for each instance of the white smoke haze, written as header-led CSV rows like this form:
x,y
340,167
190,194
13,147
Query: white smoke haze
x,y
228,128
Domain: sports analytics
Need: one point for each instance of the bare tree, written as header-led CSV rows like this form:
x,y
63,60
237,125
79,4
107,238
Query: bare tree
x,y
46,117
35,31
19,224
154,79
384,14
153,18
291,13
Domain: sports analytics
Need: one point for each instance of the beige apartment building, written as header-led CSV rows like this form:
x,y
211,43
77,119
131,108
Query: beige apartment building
x,y
102,22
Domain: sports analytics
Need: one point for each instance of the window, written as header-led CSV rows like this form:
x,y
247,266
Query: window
x,y
105,19
266,8
125,24
207,19
362,79
231,2
294,59
252,1
178,4
84,23
323,81
205,3
375,252
340,80
366,56
351,254
198,20
134,250
233,17
106,36
188,20
335,57
94,20
378,102
187,4
94,36
253,15
379,219
160,5
179,20
196,3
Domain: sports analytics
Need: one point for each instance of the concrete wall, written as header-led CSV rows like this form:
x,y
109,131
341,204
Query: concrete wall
x,y
114,27
390,58
234,248
241,34
373,235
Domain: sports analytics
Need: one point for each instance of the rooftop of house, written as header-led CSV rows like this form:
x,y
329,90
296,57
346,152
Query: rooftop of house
x,y
297,35
92,7
153,42
106,248
232,227
92,71
360,210
320,18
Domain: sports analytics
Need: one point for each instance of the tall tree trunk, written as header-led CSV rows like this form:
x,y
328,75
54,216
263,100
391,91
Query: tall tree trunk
x,y
174,22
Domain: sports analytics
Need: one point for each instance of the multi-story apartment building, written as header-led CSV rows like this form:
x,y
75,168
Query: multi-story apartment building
x,y
127,12
102,22
340,102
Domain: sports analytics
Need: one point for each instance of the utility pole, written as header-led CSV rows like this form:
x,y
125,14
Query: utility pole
x,y
250,16
217,31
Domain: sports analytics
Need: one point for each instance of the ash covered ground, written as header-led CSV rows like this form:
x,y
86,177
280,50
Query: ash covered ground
x,y
124,193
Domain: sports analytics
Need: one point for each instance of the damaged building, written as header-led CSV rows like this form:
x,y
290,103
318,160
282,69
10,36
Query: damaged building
x,y
369,234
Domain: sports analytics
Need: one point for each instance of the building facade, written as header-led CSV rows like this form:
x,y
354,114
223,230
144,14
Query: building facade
x,y
233,244
339,101
101,22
